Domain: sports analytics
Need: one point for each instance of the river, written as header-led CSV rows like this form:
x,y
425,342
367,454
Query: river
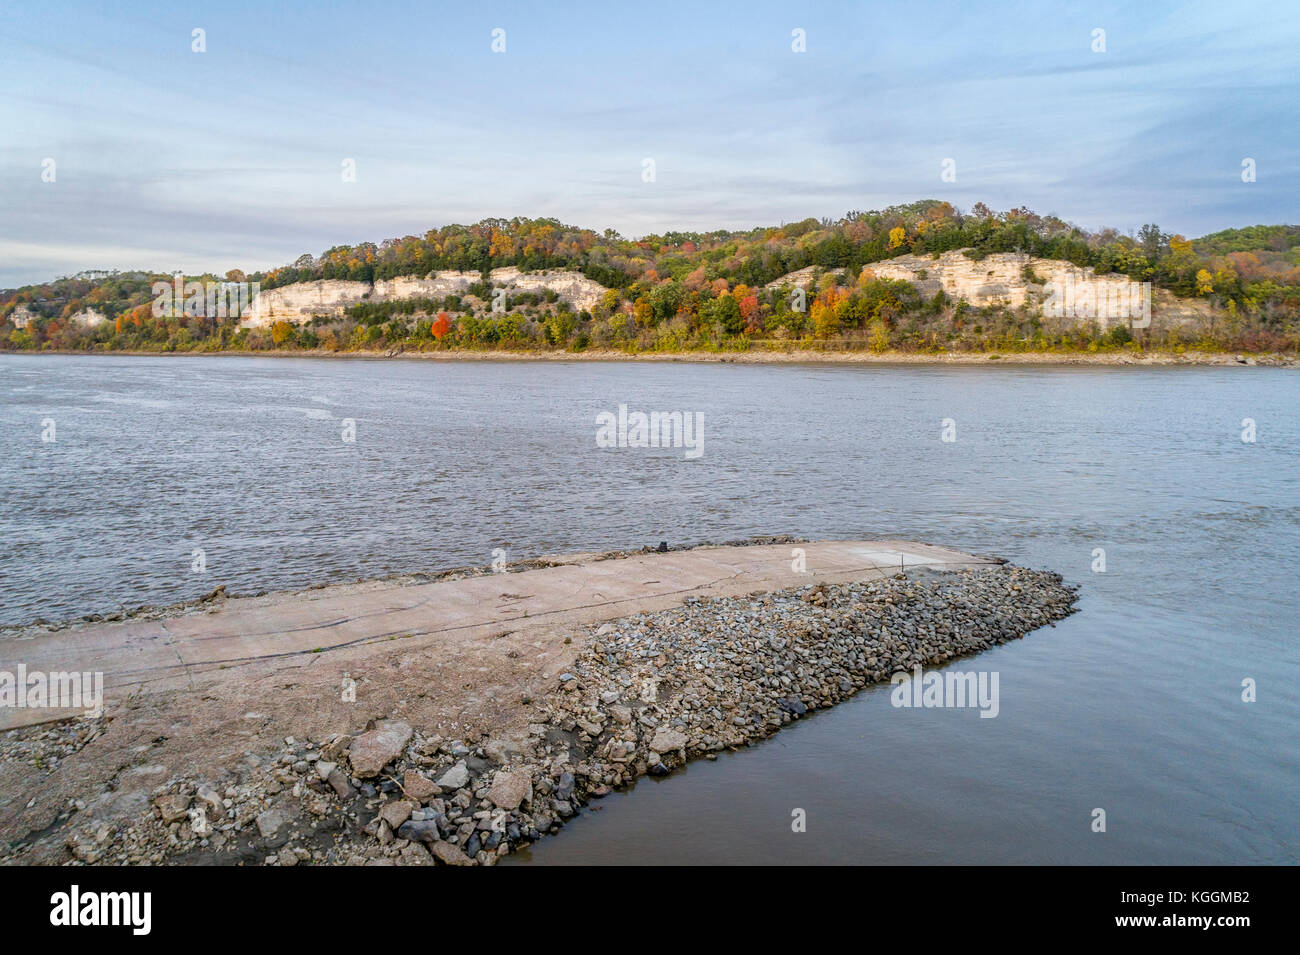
x,y
168,476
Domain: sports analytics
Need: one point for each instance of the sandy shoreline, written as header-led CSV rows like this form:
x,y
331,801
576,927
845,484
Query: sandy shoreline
x,y
795,356
483,712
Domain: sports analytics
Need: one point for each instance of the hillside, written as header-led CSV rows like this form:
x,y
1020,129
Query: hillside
x,y
918,277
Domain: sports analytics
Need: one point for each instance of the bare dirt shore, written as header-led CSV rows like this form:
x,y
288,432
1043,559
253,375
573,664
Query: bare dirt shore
x,y
757,356
455,719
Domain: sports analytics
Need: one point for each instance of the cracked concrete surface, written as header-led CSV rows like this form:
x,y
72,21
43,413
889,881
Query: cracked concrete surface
x,y
201,693
247,638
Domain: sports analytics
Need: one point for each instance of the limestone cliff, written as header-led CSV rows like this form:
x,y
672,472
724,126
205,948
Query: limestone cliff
x,y
1062,293
88,318
574,287
22,316
303,301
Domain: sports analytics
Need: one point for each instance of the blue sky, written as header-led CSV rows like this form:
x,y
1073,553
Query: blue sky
x,y
166,158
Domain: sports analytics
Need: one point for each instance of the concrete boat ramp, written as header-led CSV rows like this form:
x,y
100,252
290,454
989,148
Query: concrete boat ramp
x,y
460,622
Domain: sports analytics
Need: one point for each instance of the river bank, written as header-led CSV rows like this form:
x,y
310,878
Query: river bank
x,y
794,356
465,747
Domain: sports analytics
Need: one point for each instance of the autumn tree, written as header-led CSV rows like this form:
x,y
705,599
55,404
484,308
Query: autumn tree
x,y
824,320
643,312
281,332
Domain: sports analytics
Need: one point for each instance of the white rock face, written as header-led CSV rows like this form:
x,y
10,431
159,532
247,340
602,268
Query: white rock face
x,y
302,301
574,287
21,316
800,279
1062,293
89,318
437,284
999,279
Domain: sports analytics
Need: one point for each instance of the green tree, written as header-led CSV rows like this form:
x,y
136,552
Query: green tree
x,y
726,312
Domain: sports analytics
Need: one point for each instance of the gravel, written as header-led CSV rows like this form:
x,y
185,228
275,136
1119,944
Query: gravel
x,y
647,693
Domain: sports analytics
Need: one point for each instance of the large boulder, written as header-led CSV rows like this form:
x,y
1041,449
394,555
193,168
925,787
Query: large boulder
x,y
448,854
271,822
668,741
397,812
510,790
418,787
173,807
372,751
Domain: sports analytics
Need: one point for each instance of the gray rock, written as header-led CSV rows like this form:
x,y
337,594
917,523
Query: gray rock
x,y
340,784
415,854
271,822
564,786
455,778
668,741
426,831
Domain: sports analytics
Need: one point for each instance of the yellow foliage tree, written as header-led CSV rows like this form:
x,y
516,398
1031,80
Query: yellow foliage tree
x,y
825,322
643,312
879,337
897,236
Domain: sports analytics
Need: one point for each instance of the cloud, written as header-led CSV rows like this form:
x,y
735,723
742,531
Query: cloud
x,y
232,158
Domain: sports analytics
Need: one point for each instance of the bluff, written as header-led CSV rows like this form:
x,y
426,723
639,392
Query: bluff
x,y
302,301
1014,280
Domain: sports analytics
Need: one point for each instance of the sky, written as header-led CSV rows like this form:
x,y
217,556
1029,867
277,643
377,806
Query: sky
x,y
165,158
